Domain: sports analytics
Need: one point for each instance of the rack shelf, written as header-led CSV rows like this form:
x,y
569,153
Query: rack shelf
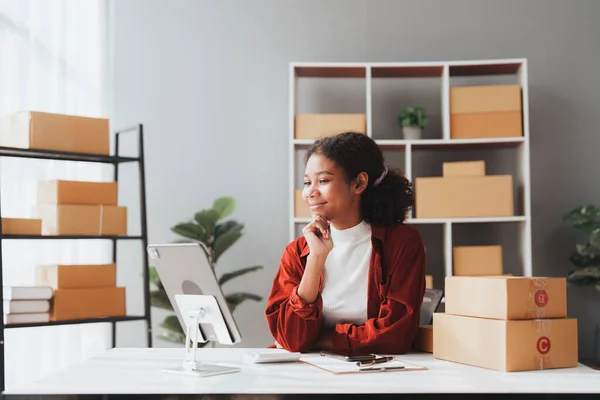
x,y
77,321
114,160
70,237
63,156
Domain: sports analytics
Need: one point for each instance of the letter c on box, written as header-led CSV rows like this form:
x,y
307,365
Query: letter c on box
x,y
543,345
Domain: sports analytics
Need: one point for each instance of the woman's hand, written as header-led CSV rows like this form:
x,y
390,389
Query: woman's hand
x,y
318,237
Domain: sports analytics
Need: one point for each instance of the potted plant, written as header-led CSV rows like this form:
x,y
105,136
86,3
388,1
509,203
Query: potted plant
x,y
586,257
412,120
216,237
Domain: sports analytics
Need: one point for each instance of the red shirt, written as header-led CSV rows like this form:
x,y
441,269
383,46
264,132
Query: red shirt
x,y
395,293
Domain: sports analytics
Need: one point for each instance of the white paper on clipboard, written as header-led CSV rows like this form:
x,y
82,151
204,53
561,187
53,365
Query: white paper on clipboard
x,y
347,367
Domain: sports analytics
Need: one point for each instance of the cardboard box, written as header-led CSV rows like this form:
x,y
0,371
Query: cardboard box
x,y
464,196
486,125
463,168
477,260
506,345
83,220
76,276
506,297
77,192
316,126
485,99
21,226
301,209
88,303
485,111
58,132
424,339
428,281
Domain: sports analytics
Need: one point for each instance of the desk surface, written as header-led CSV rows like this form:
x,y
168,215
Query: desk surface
x,y
138,371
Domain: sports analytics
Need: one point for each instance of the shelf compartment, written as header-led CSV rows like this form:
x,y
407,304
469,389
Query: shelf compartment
x,y
330,71
77,321
411,71
485,68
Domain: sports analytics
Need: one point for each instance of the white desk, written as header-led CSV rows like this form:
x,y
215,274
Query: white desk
x,y
138,371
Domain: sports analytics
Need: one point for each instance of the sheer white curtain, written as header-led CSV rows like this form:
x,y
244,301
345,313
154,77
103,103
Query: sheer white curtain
x,y
53,58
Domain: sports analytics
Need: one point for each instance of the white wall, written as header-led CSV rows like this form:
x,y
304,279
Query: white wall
x,y
209,82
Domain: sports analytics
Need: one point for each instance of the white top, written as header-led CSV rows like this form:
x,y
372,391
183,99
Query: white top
x,y
344,290
139,371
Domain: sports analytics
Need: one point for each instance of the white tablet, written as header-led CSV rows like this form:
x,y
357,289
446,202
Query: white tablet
x,y
183,268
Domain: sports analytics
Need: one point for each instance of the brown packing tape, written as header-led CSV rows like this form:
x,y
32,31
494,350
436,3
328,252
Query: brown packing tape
x,y
538,298
542,353
101,213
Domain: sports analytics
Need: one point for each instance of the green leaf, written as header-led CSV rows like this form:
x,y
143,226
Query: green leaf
x,y
191,230
159,298
584,218
227,226
235,299
171,323
584,276
153,277
224,206
413,116
207,219
172,337
595,240
230,275
223,242
584,261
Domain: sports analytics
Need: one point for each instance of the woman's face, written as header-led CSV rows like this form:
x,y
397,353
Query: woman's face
x,y
326,190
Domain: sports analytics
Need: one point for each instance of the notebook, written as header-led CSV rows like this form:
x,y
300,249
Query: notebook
x,y
336,366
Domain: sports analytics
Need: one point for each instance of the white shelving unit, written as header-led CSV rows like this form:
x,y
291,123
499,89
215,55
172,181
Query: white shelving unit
x,y
443,70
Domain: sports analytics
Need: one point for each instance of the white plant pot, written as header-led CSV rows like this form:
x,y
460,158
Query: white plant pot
x,y
411,132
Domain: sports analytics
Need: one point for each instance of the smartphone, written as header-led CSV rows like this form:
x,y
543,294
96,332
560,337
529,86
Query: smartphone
x,y
363,357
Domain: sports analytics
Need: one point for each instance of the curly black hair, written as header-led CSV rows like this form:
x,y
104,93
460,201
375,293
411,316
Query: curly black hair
x,y
385,204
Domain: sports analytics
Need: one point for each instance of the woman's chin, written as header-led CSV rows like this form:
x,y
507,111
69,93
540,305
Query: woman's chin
x,y
323,214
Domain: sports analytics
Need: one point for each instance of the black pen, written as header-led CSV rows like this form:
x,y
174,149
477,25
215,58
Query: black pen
x,y
375,361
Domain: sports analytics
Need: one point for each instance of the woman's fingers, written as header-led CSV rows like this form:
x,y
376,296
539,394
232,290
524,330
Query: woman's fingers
x,y
322,224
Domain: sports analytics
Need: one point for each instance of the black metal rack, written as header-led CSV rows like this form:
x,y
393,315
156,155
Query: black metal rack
x,y
115,160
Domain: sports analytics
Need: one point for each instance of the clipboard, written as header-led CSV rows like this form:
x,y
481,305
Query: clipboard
x,y
339,367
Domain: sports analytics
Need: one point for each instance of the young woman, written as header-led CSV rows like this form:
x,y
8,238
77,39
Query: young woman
x,y
354,282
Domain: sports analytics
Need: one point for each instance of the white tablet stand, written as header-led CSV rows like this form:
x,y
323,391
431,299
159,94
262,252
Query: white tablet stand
x,y
196,309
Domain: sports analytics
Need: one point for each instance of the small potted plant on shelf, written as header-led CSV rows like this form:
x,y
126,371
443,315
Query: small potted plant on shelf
x,y
586,257
412,120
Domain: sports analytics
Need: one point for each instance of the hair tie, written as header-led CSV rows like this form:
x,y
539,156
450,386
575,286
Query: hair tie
x,y
378,180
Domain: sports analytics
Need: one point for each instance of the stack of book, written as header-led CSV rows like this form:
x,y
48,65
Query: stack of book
x,y
26,304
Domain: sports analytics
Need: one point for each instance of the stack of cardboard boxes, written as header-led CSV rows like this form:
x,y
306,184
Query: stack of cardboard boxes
x,y
464,190
82,291
506,323
490,111
80,208
67,208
